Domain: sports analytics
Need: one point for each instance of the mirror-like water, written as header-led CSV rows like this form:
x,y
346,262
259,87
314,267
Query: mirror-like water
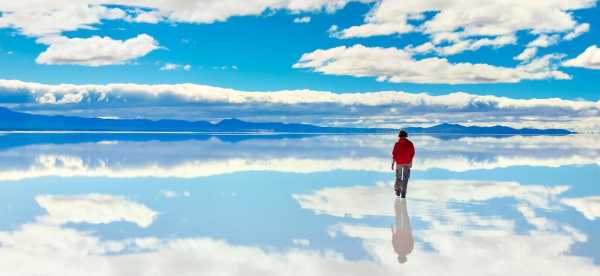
x,y
115,204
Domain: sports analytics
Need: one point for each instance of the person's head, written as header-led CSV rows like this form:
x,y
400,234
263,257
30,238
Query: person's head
x,y
402,134
401,259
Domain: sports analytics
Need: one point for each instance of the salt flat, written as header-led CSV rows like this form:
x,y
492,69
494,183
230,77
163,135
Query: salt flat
x,y
302,205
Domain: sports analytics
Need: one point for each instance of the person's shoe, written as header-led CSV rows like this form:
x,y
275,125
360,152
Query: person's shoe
x,y
403,195
397,192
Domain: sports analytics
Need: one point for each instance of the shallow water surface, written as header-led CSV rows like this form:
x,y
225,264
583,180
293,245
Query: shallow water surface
x,y
142,204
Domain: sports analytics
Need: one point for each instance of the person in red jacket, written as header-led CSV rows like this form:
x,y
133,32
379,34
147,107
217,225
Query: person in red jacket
x,y
402,156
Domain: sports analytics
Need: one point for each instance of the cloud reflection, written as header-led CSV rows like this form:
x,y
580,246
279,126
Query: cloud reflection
x,y
453,241
588,206
189,159
95,209
457,241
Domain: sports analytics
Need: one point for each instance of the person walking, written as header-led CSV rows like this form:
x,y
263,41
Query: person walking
x,y
402,157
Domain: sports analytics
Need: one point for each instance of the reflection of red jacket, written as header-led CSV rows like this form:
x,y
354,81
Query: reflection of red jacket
x,y
403,241
403,152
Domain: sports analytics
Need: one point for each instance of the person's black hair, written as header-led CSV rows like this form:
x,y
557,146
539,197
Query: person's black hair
x,y
403,133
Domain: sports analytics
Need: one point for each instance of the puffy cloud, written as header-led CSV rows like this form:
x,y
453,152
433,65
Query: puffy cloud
x,y
459,46
385,108
527,54
476,44
541,41
44,18
467,20
150,17
300,20
51,17
202,11
95,209
590,59
203,93
544,41
95,50
397,65
579,30
471,25
588,206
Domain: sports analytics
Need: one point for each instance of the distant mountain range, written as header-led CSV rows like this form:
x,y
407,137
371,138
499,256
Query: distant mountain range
x,y
492,130
17,121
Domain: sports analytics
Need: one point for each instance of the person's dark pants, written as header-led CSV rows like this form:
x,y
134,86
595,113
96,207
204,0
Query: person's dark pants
x,y
402,176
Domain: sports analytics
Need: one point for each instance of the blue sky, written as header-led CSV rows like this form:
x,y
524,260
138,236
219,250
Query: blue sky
x,y
257,46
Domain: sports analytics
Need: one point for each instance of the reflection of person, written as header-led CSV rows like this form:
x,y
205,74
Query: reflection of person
x,y
402,238
402,156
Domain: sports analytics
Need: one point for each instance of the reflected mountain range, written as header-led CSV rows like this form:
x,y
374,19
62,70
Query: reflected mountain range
x,y
300,154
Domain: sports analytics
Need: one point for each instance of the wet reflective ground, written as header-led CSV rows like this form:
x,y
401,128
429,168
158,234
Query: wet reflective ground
x,y
116,204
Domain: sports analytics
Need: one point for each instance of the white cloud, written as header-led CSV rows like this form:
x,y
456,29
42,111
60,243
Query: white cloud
x,y
350,109
590,59
579,30
397,65
49,19
466,20
459,46
52,17
472,26
95,50
588,206
94,208
544,40
151,17
527,54
301,20
173,66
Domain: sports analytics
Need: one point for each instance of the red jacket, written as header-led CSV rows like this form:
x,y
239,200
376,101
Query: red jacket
x,y
403,152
